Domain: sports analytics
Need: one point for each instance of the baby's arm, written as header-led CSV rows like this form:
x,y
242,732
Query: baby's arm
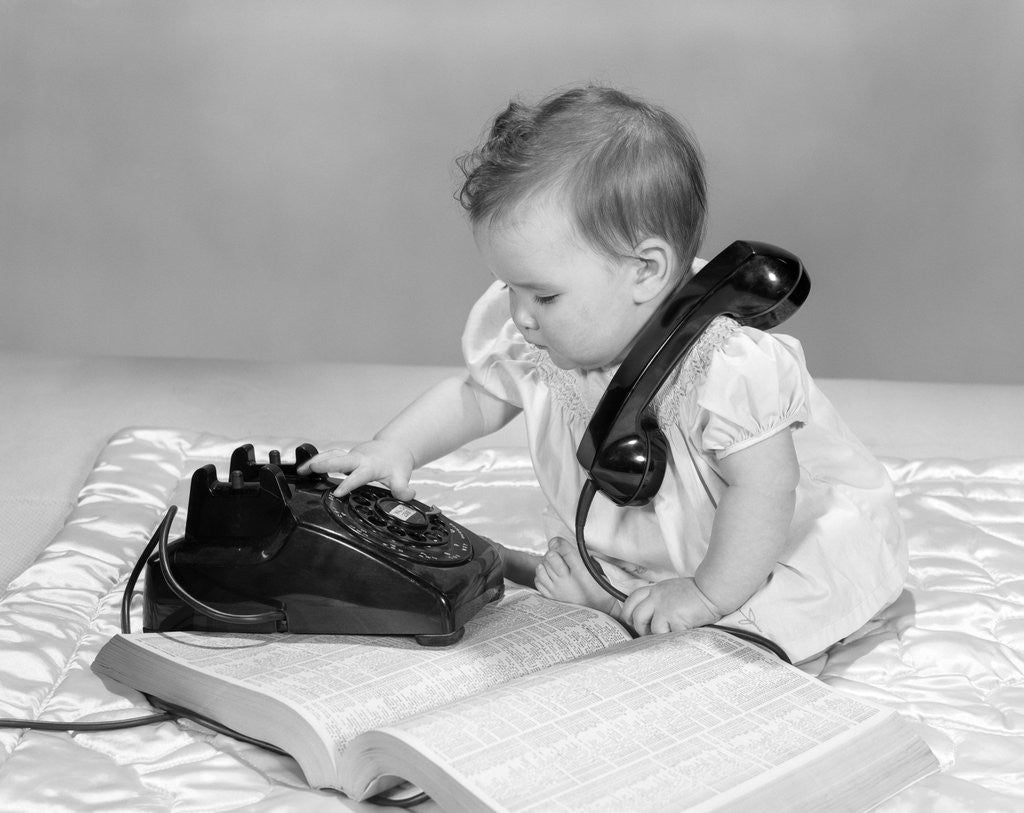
x,y
749,533
450,414
752,521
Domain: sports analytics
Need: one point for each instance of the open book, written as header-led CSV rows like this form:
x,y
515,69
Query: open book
x,y
541,706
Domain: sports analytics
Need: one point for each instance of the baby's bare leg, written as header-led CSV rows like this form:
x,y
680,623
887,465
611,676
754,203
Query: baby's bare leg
x,y
563,576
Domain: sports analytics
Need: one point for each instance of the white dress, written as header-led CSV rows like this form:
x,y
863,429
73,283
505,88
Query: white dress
x,y
846,557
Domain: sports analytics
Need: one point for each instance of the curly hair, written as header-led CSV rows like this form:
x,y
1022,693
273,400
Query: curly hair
x,y
628,169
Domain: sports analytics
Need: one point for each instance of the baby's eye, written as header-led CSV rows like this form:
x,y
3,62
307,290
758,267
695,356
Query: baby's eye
x,y
545,300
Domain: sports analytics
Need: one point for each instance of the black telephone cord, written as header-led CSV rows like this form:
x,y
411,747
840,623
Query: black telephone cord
x,y
159,539
582,510
199,606
110,725
171,711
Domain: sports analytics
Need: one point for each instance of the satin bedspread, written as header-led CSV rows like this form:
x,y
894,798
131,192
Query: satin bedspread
x,y
949,654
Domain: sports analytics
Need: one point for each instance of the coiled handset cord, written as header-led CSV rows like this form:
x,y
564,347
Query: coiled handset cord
x,y
587,495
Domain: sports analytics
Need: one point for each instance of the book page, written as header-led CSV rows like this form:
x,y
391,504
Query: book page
x,y
672,720
345,684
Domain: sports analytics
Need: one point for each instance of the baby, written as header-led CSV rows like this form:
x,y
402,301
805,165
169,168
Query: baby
x,y
588,210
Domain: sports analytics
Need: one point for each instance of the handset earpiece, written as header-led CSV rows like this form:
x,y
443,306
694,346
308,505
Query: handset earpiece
x,y
623,450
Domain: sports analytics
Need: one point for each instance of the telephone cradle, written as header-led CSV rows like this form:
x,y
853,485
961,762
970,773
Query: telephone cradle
x,y
271,550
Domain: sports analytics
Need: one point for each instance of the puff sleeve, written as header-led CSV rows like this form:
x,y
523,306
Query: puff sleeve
x,y
493,348
755,385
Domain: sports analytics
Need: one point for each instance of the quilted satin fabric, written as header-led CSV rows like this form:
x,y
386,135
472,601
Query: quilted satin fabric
x,y
949,654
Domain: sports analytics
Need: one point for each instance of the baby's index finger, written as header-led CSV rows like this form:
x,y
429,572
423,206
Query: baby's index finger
x,y
350,484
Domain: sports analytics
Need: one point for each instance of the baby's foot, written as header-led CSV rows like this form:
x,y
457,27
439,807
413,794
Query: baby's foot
x,y
561,575
519,566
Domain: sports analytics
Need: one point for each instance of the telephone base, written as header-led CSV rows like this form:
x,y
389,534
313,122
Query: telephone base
x,y
281,549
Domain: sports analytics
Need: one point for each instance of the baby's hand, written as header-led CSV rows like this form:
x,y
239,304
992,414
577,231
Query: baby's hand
x,y
376,460
668,606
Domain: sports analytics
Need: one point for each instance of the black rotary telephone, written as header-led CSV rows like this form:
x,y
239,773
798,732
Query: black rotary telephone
x,y
623,450
272,550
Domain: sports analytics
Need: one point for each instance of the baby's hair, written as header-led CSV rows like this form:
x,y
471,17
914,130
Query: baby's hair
x,y
628,169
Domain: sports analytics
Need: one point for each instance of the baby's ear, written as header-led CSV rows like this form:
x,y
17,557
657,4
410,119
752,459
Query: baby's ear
x,y
655,270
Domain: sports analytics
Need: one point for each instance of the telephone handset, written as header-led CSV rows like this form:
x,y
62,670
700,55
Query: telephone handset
x,y
623,450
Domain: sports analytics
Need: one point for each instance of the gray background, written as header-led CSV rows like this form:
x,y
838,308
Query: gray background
x,y
273,180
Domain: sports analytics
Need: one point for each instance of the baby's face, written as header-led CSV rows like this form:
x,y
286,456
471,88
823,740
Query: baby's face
x,y
564,296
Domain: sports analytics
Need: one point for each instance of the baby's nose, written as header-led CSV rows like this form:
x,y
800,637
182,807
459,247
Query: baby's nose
x,y
523,320
528,330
